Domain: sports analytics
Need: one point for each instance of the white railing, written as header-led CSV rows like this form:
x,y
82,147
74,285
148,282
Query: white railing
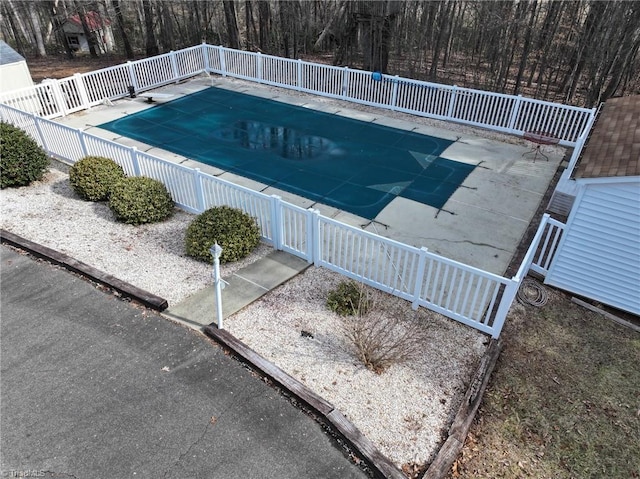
x,y
546,243
474,297
380,262
469,295
109,83
461,292
505,113
39,99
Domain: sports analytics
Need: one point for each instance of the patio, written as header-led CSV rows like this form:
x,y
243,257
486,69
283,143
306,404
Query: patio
x,y
481,224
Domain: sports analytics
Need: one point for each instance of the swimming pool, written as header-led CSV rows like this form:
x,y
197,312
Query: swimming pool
x,y
353,165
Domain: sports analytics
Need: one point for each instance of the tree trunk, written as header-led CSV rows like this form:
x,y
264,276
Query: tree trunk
x,y
621,69
546,36
252,31
583,44
264,23
56,19
232,24
526,47
151,43
88,33
15,15
618,41
37,30
122,29
167,39
330,29
443,22
17,37
375,20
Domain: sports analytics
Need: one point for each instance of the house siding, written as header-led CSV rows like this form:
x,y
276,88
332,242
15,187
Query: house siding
x,y
599,255
14,73
14,77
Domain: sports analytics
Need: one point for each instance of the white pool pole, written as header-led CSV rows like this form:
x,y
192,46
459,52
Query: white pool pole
x,y
216,250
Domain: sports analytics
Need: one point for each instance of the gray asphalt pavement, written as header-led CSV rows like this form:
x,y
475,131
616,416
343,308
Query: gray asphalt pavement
x,y
94,387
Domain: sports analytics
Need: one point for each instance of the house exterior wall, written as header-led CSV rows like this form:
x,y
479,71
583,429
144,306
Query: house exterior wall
x,y
106,42
14,76
599,254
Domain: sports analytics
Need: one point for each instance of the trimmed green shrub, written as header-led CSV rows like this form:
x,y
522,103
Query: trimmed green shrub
x,y
137,199
93,177
22,160
234,230
349,298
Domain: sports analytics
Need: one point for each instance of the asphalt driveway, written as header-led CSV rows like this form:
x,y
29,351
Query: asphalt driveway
x,y
93,386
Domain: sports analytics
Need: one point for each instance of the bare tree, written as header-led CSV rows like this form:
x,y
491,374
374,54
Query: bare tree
x,y
57,19
18,34
37,29
581,52
251,40
151,43
232,23
89,32
122,29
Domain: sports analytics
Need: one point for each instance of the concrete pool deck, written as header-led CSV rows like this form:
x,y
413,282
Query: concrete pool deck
x,y
481,224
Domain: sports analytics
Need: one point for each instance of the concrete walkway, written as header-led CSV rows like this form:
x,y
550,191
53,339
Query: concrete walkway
x,y
243,287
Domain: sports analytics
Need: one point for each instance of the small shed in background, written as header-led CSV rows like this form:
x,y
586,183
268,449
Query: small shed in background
x,y
99,28
598,256
14,73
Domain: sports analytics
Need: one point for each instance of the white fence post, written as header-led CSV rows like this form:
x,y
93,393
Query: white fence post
x,y
316,240
259,66
299,72
43,138
56,93
394,92
345,82
276,221
132,75
514,113
174,65
205,57
417,286
508,295
223,63
82,90
311,237
452,101
134,161
197,178
83,145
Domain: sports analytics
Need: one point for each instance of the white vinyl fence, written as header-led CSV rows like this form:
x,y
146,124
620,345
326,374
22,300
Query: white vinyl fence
x,y
474,297
545,244
505,113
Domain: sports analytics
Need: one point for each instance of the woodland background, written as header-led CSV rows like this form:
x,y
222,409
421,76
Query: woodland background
x,y
577,52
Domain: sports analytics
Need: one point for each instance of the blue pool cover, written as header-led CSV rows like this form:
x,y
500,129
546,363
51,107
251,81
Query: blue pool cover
x,y
353,165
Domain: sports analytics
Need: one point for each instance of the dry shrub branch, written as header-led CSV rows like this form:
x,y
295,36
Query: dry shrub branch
x,y
380,339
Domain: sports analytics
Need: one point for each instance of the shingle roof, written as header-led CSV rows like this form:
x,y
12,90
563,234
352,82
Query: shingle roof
x,y
8,55
93,19
614,146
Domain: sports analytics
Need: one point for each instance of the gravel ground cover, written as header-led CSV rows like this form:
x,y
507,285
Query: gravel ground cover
x,y
404,411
